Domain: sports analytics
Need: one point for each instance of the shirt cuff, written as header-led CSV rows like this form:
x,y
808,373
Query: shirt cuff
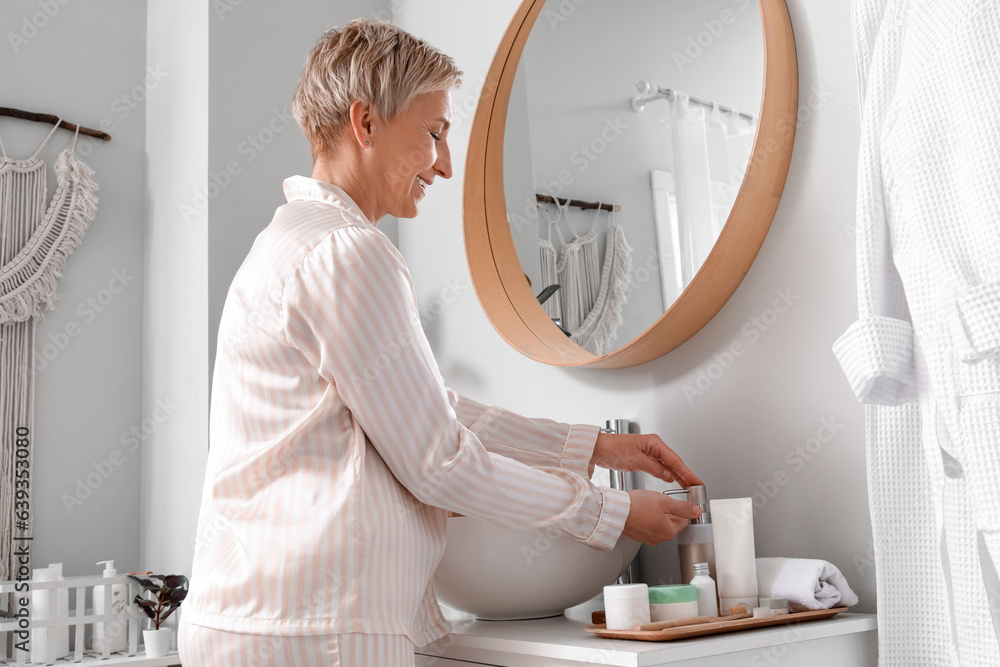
x,y
876,354
579,449
610,524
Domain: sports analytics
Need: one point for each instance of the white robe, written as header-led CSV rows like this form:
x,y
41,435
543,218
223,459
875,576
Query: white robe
x,y
924,355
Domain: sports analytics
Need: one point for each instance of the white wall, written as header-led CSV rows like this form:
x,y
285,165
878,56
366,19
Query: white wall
x,y
175,352
754,410
86,61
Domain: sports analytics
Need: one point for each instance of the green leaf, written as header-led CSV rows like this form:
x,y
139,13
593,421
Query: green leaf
x,y
147,584
175,581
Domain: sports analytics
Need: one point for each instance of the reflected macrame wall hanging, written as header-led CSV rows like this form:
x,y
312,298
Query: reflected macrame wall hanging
x,y
36,237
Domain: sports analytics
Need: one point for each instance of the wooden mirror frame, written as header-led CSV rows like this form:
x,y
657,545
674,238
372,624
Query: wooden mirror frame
x,y
497,276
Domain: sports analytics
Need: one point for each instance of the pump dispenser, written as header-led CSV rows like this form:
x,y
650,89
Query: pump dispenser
x,y
113,633
61,611
696,542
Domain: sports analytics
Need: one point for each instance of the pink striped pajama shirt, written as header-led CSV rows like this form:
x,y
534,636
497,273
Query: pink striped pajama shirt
x,y
336,448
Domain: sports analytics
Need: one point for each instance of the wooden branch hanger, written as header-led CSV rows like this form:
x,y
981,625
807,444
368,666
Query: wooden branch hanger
x,y
52,120
546,199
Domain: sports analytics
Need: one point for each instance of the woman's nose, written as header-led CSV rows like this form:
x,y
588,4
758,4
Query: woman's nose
x,y
443,164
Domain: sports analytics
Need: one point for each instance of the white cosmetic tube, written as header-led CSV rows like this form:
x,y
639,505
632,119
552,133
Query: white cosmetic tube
x,y
735,556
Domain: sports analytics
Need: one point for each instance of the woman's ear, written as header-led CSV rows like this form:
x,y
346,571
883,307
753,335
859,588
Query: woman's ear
x,y
362,117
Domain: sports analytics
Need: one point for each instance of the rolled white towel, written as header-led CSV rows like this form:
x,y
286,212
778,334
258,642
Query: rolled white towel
x,y
806,583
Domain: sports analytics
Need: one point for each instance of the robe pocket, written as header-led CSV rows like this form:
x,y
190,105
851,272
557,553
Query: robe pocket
x,y
979,426
976,323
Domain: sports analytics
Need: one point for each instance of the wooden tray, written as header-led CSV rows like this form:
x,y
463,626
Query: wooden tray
x,y
723,625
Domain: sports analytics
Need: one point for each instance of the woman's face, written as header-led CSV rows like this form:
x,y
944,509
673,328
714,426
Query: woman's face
x,y
410,152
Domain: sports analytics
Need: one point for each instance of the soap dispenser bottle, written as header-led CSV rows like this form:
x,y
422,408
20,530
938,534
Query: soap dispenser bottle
x,y
696,542
112,634
43,607
61,611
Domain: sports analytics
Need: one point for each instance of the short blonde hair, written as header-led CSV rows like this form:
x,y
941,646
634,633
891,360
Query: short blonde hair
x,y
366,60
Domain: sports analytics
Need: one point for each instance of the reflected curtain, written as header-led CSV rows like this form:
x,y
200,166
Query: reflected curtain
x,y
710,154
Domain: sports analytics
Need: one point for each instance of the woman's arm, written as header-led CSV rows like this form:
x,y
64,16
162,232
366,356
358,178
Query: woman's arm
x,y
543,442
349,307
534,442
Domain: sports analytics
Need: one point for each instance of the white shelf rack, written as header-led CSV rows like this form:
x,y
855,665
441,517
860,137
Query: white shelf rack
x,y
80,616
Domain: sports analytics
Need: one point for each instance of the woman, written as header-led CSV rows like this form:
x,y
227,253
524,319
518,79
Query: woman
x,y
335,447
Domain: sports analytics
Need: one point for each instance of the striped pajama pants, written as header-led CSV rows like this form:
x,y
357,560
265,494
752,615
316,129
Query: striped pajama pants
x,y
206,647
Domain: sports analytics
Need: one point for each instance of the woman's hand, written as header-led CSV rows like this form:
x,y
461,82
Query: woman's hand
x,y
654,517
645,452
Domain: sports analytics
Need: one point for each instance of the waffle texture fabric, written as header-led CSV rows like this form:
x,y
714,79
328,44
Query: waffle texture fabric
x,y
924,355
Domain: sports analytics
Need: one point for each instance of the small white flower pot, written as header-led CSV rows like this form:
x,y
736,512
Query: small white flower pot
x,y
157,642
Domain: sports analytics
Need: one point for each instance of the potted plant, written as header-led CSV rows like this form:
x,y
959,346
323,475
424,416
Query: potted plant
x,y
161,594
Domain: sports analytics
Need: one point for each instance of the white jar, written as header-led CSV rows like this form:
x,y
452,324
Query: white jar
x,y
626,606
777,606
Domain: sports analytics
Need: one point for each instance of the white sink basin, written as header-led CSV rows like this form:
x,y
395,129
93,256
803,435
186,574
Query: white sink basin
x,y
502,574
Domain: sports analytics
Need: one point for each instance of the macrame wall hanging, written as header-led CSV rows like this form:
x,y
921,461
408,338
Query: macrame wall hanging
x,y
589,302
36,237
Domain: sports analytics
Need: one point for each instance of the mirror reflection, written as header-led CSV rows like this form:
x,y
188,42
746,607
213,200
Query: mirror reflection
x,y
628,132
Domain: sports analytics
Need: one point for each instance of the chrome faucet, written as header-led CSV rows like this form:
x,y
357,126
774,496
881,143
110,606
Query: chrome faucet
x,y
622,481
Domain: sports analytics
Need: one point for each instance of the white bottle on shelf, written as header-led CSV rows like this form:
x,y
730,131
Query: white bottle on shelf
x,y
43,644
112,633
61,611
708,602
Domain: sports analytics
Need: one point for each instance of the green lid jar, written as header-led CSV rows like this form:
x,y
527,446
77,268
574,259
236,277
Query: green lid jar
x,y
672,603
673,593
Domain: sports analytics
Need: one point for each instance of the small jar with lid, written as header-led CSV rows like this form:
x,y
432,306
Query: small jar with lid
x,y
626,606
672,603
776,606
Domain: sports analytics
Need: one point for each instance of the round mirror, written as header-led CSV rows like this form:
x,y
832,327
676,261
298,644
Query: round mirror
x,y
633,154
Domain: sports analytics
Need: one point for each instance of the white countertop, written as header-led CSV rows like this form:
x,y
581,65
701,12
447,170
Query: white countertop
x,y
565,638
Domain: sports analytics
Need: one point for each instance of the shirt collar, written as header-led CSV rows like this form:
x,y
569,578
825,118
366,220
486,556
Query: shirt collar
x,y
303,188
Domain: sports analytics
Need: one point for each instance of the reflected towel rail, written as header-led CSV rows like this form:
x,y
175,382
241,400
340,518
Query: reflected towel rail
x,y
657,93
